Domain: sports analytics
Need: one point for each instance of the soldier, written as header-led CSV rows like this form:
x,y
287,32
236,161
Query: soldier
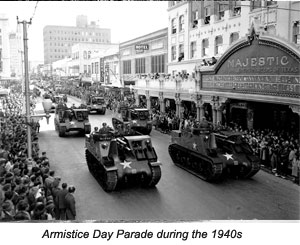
x,y
105,129
204,124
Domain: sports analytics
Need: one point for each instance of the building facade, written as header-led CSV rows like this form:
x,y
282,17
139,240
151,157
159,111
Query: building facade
x,y
4,47
58,40
82,57
16,54
253,80
145,56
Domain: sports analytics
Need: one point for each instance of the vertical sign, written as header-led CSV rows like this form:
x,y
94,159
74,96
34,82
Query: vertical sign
x,y
107,81
101,70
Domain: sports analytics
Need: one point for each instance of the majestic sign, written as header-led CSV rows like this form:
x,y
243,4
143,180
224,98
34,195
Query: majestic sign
x,y
257,68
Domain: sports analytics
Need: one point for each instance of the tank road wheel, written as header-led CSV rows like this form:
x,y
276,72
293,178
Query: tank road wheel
x,y
155,176
61,131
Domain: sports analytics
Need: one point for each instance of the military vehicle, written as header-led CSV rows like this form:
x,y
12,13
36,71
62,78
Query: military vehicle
x,y
138,118
238,153
95,103
71,119
115,161
212,156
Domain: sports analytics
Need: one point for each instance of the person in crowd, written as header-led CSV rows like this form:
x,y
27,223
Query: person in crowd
x,y
61,202
70,204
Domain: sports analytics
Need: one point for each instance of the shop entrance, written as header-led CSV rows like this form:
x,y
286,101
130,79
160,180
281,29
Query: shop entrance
x,y
239,117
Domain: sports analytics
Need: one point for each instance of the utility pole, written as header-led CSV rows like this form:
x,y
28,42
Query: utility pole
x,y
26,78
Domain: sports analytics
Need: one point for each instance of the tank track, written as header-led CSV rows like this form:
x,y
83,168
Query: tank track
x,y
194,163
155,176
107,179
249,171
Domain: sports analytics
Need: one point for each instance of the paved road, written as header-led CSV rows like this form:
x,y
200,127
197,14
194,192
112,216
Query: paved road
x,y
179,196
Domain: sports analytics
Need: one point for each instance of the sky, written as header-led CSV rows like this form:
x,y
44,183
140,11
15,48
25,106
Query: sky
x,y
126,19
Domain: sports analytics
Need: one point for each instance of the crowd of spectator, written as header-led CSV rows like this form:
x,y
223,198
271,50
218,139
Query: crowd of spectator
x,y
29,189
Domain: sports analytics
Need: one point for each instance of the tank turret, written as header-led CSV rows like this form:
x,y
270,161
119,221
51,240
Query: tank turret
x,y
116,160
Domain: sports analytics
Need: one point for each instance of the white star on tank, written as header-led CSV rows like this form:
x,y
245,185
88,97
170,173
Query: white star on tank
x,y
125,164
228,156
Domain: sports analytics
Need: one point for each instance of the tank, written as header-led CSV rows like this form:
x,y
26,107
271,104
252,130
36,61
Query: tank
x,y
71,119
137,118
95,103
212,156
115,161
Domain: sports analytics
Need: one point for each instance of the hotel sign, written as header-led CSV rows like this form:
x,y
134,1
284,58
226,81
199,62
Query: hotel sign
x,y
142,47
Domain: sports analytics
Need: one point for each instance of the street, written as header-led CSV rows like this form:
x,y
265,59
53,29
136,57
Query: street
x,y
179,196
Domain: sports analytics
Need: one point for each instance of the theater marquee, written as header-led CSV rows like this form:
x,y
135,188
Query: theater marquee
x,y
259,67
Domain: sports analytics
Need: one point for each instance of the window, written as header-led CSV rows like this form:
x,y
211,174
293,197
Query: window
x,y
206,16
173,23
221,11
205,47
193,50
255,5
218,45
235,9
85,69
181,23
158,64
89,55
84,55
0,40
140,66
269,3
89,69
296,32
181,52
233,37
195,17
173,53
93,68
127,67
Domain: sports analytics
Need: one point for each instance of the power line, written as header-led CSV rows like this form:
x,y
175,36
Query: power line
x,y
34,9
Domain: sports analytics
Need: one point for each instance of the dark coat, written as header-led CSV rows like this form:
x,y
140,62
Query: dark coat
x,y
70,206
60,198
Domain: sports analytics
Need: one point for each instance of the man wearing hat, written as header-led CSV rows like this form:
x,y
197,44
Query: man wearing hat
x,y
70,204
